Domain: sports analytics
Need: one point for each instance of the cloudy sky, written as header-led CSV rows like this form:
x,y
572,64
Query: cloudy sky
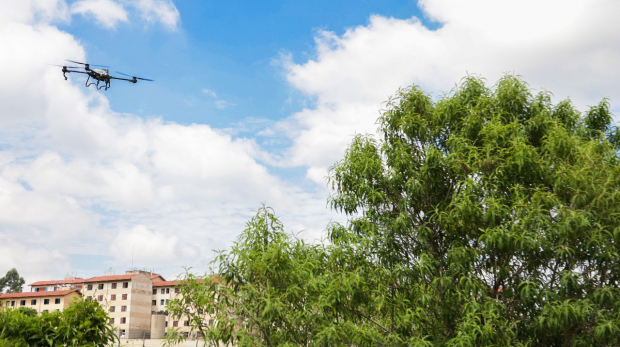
x,y
252,103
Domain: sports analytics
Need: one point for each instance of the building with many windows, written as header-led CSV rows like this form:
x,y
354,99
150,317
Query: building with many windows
x,y
136,301
42,301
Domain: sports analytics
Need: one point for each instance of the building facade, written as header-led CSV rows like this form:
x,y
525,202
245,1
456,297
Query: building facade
x,y
136,301
43,301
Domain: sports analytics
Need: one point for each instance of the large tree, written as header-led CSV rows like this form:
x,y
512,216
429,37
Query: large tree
x,y
489,216
12,282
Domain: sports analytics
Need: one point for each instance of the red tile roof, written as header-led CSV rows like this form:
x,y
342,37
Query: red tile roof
x,y
165,284
66,281
174,283
154,276
37,294
110,278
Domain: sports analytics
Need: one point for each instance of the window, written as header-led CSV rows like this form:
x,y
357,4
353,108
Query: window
x,y
124,296
163,291
22,302
186,334
122,332
45,289
154,302
89,287
176,290
89,298
100,286
113,285
112,297
55,288
175,323
125,284
57,301
100,298
36,289
167,290
123,308
112,308
111,320
154,291
46,301
162,301
33,302
8,303
166,324
167,301
186,323
45,311
123,320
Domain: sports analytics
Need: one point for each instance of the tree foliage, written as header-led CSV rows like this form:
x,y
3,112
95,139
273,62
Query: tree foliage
x,y
12,281
83,323
487,217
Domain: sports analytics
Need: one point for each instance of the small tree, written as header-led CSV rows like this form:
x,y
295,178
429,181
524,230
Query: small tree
x,y
12,281
262,291
83,323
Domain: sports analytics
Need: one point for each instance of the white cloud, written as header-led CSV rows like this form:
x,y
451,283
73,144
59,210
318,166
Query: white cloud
x,y
33,11
223,104
162,11
210,93
219,104
30,260
78,178
107,12
144,246
568,47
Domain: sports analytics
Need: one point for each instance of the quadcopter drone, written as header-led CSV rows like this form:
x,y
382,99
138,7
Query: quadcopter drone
x,y
100,75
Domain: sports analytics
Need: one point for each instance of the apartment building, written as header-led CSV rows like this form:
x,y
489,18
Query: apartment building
x,y
42,301
127,298
54,285
136,301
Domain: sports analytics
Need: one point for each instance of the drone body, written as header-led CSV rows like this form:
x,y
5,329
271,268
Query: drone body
x,y
100,75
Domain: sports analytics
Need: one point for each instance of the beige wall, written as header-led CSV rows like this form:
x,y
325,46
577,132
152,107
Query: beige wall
x,y
140,312
137,306
40,305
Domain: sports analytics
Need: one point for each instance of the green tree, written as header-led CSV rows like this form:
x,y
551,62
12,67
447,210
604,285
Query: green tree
x,y
260,293
494,214
12,281
83,323
489,216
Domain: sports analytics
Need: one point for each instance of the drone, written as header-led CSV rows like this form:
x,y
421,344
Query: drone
x,y
99,75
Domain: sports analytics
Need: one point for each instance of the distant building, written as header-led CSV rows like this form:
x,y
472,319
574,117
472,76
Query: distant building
x,y
127,298
43,301
136,301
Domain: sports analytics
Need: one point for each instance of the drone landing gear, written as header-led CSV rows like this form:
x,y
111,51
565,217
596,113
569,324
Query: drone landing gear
x,y
106,85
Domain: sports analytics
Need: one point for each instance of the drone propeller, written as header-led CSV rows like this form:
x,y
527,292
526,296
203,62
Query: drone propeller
x,y
77,62
68,67
138,78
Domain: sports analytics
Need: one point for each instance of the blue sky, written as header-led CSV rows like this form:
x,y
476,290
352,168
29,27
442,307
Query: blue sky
x,y
252,103
228,47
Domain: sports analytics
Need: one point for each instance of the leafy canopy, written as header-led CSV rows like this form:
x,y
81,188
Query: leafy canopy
x,y
487,217
12,282
83,323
